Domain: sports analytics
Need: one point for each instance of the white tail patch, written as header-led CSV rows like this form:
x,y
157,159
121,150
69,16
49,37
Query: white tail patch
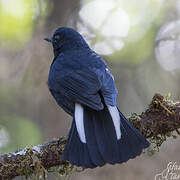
x,y
116,119
80,122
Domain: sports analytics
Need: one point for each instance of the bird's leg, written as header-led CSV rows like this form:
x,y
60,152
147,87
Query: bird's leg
x,y
116,119
80,122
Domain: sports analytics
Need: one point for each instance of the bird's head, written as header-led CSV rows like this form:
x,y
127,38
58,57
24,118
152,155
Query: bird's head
x,y
66,39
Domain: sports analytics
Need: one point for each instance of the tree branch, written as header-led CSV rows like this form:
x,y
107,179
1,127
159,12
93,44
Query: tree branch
x,y
161,118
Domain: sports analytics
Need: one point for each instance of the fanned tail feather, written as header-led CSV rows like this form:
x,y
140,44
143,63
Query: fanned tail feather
x,y
101,145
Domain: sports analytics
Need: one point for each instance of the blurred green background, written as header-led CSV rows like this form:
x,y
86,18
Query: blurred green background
x,y
139,39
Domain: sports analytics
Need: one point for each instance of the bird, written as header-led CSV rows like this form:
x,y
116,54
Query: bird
x,y
83,86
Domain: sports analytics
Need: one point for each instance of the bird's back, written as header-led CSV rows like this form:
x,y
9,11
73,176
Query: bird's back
x,y
71,61
75,77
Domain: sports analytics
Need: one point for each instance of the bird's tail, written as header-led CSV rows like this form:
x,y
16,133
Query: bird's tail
x,y
102,145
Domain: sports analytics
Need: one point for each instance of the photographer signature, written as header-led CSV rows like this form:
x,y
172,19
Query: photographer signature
x,y
172,172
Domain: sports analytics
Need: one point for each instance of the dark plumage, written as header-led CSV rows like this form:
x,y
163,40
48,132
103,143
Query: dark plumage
x,y
80,80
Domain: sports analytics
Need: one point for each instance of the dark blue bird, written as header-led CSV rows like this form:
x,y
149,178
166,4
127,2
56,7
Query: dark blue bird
x,y
82,84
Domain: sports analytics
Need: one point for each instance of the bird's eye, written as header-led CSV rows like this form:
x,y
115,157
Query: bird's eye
x,y
56,38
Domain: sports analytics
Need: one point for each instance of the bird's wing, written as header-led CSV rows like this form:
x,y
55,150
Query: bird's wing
x,y
108,87
76,86
83,87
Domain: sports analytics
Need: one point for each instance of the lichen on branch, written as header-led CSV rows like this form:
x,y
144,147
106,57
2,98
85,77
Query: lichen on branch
x,y
160,120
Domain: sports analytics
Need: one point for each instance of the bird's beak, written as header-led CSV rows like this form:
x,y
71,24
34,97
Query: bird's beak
x,y
49,39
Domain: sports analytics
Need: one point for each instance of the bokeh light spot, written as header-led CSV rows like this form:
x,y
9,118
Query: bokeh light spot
x,y
118,20
100,9
18,9
117,24
167,50
4,138
17,21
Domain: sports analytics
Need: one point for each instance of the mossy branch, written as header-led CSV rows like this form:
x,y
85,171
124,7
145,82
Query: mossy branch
x,y
161,118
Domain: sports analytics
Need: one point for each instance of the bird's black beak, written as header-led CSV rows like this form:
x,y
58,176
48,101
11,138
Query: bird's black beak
x,y
49,39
